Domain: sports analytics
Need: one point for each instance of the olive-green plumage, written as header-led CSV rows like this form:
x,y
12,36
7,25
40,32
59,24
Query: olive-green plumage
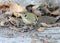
x,y
29,18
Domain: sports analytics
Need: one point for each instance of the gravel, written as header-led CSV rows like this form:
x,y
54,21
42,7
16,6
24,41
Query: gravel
x,y
51,35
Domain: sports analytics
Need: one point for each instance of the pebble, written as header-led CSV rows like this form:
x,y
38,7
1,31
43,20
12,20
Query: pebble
x,y
25,29
56,24
0,12
33,41
45,25
47,19
41,29
14,21
8,13
55,13
1,23
33,35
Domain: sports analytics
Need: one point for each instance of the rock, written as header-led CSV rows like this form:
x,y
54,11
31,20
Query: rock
x,y
56,24
5,23
45,25
33,35
4,6
15,9
41,29
45,10
14,28
33,9
40,10
58,19
45,41
29,7
2,16
14,21
2,23
16,14
37,12
55,13
0,12
53,7
8,13
20,29
33,41
47,19
12,7
25,29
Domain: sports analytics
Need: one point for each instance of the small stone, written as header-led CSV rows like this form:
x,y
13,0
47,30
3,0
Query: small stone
x,y
33,35
0,12
47,19
45,42
37,12
58,19
14,21
2,23
41,29
29,7
45,25
56,24
25,29
15,8
8,13
55,13
33,41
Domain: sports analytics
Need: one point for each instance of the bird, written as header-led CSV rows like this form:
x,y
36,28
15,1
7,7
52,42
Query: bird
x,y
29,18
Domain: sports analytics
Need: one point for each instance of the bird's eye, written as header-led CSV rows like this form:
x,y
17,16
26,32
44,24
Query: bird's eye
x,y
25,15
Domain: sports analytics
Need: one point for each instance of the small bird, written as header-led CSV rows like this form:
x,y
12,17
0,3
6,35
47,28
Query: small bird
x,y
29,18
